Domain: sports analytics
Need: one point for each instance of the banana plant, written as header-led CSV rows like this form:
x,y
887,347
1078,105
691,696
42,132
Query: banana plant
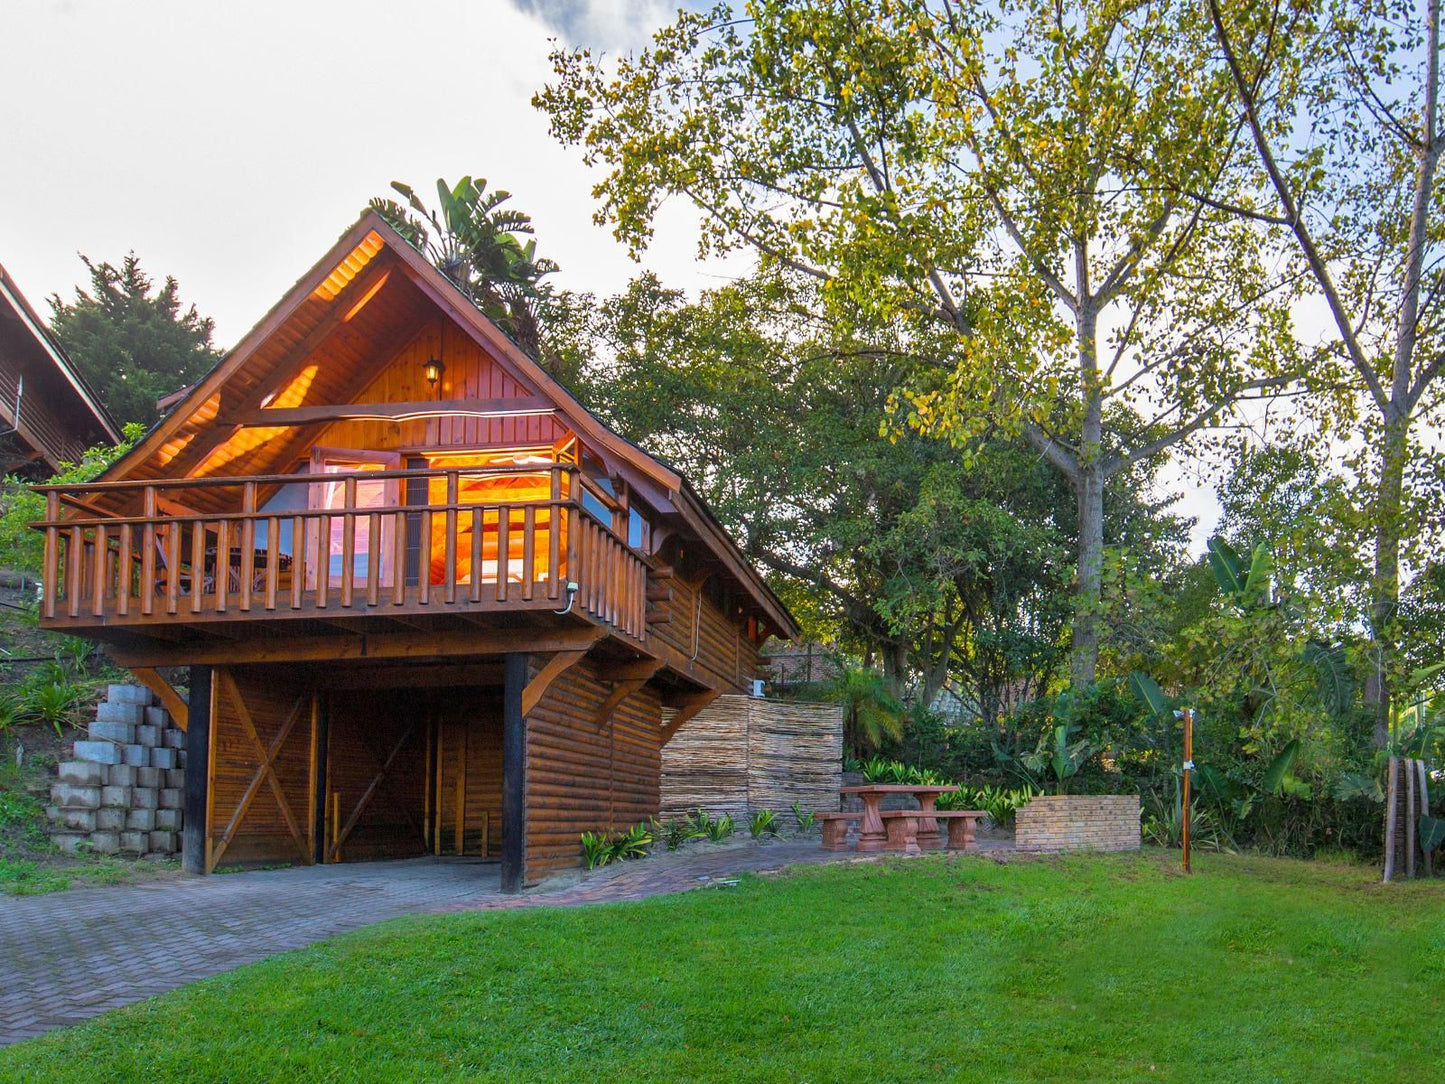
x,y
1060,752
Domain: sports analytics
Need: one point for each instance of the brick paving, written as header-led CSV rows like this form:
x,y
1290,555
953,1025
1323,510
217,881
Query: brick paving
x,y
72,955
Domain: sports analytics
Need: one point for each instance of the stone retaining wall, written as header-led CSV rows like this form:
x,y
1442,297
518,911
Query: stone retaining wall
x,y
1079,822
123,792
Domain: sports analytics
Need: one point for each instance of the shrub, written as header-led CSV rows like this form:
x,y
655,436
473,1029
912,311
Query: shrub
x,y
54,704
763,823
602,848
805,820
596,849
674,833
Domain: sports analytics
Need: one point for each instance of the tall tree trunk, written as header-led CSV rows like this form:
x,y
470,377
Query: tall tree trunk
x,y
1385,583
1089,488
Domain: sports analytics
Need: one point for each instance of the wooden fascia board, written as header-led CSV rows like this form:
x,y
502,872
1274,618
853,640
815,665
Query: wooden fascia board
x,y
401,645
57,357
204,388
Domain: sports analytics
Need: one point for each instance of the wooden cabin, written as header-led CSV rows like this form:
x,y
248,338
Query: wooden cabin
x,y
48,414
429,604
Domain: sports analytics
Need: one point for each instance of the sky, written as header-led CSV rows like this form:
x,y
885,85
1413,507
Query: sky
x,y
229,145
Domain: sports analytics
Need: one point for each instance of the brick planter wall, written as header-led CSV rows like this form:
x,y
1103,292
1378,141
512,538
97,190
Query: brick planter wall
x,y
1079,822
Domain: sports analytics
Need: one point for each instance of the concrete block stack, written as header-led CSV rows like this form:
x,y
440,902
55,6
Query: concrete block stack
x,y
123,791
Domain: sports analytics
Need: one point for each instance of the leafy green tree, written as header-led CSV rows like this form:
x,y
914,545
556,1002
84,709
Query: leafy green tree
x,y
132,343
476,242
996,185
1341,100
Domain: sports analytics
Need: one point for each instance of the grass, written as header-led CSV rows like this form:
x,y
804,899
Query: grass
x,y
1085,968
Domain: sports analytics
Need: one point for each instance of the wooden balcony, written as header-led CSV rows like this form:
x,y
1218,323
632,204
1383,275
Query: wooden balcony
x,y
376,544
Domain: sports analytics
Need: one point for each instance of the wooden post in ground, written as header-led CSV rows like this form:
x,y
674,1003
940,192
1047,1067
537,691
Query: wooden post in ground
x,y
514,798
1187,812
198,770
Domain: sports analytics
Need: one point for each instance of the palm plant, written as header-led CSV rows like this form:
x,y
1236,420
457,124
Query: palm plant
x,y
473,240
871,712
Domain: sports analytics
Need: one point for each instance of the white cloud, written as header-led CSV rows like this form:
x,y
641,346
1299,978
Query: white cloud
x,y
229,145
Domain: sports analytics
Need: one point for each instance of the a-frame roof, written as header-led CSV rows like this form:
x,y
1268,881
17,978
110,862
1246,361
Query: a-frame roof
x,y
359,266
65,391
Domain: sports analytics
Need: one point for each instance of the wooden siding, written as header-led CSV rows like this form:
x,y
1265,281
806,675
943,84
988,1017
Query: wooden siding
x,y
743,754
470,746
580,778
696,627
255,829
470,374
366,729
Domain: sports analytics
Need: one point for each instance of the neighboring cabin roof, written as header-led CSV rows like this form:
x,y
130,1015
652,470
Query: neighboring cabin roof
x,y
65,390
363,242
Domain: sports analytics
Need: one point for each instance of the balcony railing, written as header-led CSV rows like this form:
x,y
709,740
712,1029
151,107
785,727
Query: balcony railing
x,y
350,551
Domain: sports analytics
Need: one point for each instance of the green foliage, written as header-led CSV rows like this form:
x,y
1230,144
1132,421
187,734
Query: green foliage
x,y
1163,825
477,243
131,344
763,823
676,832
603,848
1432,832
1060,751
22,548
714,829
871,713
806,821
1000,803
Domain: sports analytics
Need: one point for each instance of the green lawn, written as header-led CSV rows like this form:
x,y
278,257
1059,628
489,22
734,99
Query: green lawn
x,y
1087,968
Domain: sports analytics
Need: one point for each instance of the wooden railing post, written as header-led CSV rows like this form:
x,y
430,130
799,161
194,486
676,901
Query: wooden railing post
x,y
50,564
348,541
451,537
248,544
148,553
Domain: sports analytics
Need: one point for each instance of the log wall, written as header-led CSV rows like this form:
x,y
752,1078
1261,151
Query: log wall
x,y
366,728
583,778
743,754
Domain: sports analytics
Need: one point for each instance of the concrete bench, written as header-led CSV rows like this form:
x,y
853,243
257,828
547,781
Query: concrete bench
x,y
961,824
835,829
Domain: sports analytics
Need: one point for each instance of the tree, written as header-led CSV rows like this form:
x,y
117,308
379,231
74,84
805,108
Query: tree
x,y
473,240
131,345
936,571
1015,220
1341,100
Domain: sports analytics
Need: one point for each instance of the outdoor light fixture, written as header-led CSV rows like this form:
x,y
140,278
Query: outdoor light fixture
x,y
433,370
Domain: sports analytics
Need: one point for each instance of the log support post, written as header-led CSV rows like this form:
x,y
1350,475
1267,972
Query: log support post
x,y
514,752
198,771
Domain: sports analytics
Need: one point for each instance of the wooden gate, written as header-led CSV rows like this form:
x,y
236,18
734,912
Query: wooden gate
x,y
263,754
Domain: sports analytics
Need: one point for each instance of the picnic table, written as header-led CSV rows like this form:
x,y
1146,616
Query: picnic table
x,y
873,836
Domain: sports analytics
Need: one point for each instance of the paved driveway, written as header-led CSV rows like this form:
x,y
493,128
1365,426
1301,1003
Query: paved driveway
x,y
71,955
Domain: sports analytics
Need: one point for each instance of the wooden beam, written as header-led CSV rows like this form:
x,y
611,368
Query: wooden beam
x,y
514,779
687,706
621,690
194,830
216,433
170,699
411,675
526,406
391,645
556,666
